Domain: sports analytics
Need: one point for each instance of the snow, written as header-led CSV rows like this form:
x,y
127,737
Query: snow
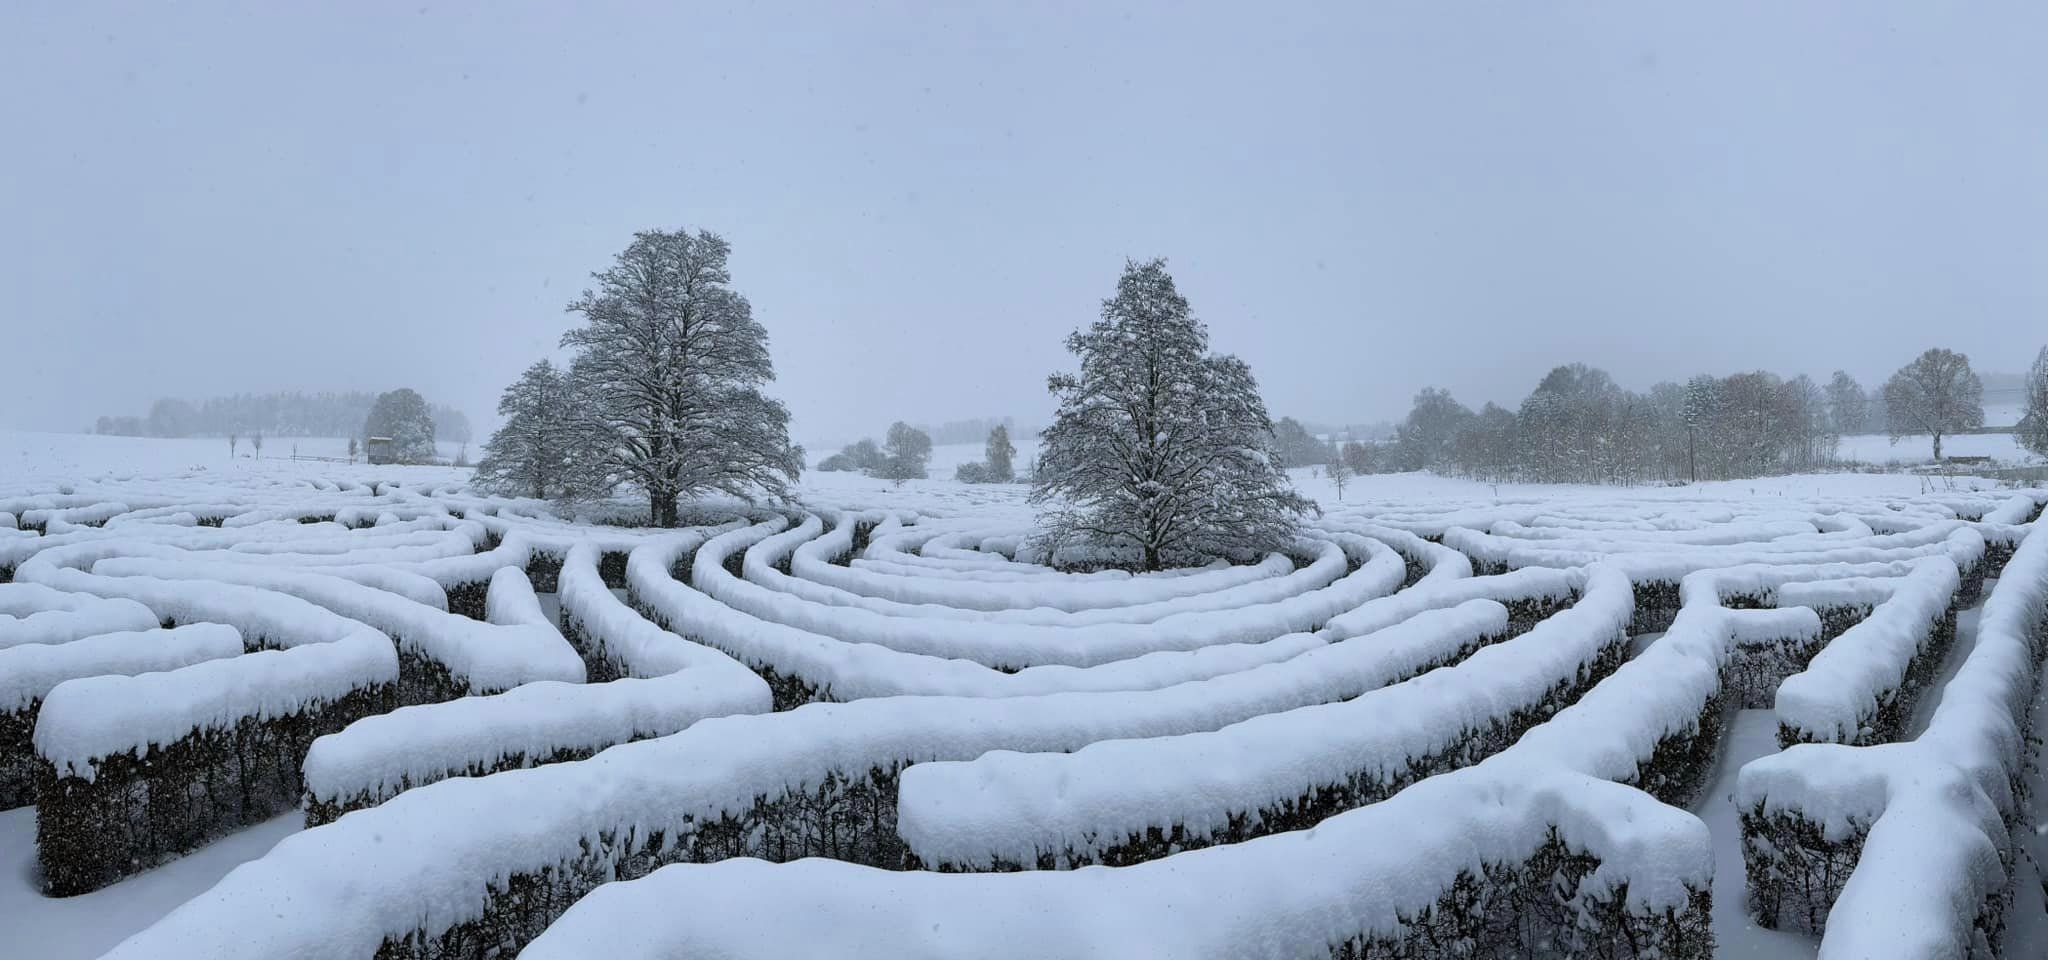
x,y
1013,806
1935,805
1286,895
1878,448
1838,693
680,683
28,673
1027,709
87,925
88,718
31,613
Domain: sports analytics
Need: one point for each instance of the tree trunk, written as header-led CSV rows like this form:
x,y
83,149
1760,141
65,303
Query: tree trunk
x,y
1937,447
661,508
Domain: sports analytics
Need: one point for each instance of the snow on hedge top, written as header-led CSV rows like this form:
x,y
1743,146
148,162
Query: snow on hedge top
x,y
30,672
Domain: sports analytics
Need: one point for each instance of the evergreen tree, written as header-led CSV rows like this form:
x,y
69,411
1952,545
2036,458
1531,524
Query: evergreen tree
x,y
1000,456
1702,409
402,415
2032,432
670,368
1937,394
534,453
1161,450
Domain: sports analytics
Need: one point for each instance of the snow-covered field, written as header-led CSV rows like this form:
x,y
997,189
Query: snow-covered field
x,y
1879,449
1519,718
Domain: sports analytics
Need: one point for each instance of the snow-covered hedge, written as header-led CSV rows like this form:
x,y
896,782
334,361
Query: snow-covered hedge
x,y
1908,849
1123,801
801,666
1288,604
31,613
442,655
1060,592
29,672
1861,687
668,684
137,769
816,781
1492,860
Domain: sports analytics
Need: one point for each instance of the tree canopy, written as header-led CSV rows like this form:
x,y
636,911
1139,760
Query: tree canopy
x,y
1161,452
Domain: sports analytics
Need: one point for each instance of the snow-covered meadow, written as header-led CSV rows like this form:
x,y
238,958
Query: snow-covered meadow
x,y
393,717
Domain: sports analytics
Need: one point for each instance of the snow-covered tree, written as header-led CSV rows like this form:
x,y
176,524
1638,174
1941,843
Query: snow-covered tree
x,y
670,371
1000,455
905,452
1160,451
2032,432
402,415
1361,458
1297,447
1702,408
535,453
1423,439
1848,405
861,455
1937,394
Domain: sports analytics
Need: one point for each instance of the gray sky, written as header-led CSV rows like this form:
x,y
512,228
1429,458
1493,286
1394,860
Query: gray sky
x,y
1360,199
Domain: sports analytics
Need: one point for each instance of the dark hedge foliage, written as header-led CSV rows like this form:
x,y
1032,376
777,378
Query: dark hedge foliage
x,y
1361,787
140,810
469,599
851,818
1540,909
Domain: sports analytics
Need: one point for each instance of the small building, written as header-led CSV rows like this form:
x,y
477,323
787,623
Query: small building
x,y
379,450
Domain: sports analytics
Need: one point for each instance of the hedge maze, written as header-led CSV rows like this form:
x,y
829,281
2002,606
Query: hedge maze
x,y
1427,729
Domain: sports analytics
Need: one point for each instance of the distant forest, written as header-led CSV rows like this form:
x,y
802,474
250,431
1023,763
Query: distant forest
x,y
289,414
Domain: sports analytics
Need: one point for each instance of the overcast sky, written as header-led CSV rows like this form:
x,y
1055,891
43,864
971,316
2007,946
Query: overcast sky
x,y
1361,199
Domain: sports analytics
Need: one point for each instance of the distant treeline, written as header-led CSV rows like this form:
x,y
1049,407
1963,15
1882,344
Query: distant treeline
x,y
288,414
1579,426
969,431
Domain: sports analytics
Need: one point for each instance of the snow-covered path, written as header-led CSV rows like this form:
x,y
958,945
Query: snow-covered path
x,y
83,927
1966,641
1751,734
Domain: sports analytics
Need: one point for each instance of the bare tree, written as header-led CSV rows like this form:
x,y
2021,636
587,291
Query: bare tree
x,y
671,363
1936,394
1340,472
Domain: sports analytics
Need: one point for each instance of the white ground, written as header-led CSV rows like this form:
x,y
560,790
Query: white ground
x,y
89,925
1879,449
26,455
84,926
